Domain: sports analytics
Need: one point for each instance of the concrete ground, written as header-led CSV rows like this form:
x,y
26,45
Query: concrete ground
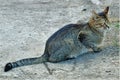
x,y
25,25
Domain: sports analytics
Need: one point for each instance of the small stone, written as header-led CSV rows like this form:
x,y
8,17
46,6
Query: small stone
x,y
84,9
35,73
107,71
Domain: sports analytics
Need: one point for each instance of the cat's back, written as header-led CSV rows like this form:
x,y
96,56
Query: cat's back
x,y
58,35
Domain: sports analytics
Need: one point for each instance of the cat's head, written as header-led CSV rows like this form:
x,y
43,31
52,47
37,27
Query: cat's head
x,y
100,20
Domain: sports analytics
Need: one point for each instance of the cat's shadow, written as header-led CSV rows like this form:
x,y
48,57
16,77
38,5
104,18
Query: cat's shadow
x,y
86,60
81,58
69,65
86,57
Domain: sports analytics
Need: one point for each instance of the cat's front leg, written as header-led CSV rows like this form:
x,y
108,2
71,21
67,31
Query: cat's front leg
x,y
88,42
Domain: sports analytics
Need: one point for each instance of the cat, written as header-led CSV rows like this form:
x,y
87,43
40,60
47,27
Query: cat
x,y
70,41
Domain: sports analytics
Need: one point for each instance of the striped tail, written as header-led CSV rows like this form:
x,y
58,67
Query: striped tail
x,y
25,62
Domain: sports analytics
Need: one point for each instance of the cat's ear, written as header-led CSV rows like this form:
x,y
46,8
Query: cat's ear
x,y
106,10
95,15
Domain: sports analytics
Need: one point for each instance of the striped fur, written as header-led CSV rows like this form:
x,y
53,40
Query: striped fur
x,y
70,41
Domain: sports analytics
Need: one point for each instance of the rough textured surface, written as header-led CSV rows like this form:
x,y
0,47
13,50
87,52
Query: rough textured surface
x,y
25,25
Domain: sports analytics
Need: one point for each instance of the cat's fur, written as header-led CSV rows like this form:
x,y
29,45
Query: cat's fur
x,y
70,41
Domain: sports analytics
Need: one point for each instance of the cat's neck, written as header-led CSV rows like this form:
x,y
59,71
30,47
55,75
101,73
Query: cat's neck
x,y
98,31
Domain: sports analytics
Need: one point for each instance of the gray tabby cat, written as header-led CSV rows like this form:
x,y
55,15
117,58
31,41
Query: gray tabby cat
x,y
70,41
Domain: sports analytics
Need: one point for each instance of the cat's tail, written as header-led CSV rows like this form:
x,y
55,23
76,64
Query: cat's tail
x,y
24,62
